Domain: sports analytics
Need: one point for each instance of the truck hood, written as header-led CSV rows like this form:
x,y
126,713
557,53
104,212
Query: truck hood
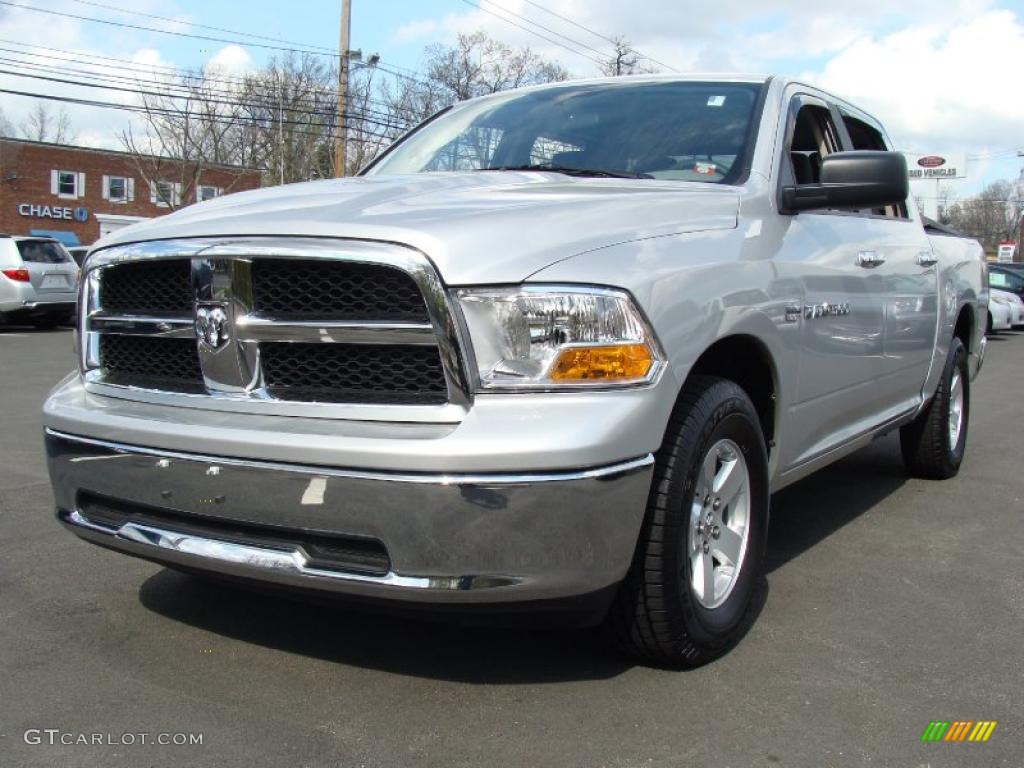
x,y
477,227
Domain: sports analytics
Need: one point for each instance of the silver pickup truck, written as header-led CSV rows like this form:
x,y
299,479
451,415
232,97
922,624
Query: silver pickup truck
x,y
552,352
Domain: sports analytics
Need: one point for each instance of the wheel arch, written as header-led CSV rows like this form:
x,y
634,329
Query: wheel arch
x,y
747,361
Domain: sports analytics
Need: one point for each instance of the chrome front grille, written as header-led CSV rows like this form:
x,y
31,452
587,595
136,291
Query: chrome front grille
x,y
341,290
358,373
148,288
268,325
152,362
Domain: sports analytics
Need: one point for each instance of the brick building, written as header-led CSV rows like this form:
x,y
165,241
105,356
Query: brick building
x,y
79,194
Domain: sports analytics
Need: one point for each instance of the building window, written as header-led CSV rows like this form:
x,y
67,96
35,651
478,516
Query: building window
x,y
67,184
206,192
166,194
118,189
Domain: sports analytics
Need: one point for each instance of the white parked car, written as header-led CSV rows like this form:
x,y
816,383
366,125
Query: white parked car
x,y
38,281
1005,310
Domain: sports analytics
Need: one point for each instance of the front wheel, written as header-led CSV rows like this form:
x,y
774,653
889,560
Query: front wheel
x,y
700,550
933,444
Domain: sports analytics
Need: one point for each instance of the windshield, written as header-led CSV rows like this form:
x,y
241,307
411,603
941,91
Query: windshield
x,y
688,131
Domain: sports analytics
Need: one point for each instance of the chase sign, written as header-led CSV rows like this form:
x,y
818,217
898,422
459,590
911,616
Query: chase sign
x,y
55,212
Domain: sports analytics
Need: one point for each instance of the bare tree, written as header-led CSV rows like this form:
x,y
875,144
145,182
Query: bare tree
x,y
992,216
289,113
626,61
190,124
283,118
477,65
6,128
43,124
474,66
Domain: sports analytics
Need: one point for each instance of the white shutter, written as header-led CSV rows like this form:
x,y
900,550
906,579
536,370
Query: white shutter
x,y
176,194
105,191
154,196
54,182
80,187
130,189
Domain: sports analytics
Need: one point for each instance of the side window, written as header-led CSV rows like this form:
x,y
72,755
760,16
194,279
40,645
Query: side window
x,y
814,138
865,136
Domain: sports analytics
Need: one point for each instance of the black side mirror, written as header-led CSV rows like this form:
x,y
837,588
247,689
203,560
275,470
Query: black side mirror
x,y
862,179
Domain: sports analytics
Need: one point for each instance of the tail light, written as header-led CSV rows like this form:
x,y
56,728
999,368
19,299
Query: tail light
x,y
17,275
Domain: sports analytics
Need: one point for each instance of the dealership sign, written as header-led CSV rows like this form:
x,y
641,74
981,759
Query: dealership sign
x,y
53,212
936,166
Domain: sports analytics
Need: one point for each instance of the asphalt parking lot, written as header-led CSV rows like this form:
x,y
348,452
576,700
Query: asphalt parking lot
x,y
887,603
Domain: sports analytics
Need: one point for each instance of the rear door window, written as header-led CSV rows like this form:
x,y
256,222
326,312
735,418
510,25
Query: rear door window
x,y
42,252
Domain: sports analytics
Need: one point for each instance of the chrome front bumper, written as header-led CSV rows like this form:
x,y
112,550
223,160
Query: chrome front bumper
x,y
472,538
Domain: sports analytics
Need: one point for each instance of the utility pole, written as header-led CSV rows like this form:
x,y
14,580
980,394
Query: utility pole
x,y
280,123
343,64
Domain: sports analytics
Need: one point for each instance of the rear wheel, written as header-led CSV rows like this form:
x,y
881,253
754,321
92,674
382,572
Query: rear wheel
x,y
933,444
700,550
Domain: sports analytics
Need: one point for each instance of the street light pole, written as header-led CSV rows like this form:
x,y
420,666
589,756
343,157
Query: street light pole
x,y
342,107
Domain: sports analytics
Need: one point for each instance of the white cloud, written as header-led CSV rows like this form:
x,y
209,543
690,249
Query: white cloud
x,y
231,60
941,76
40,36
414,30
936,86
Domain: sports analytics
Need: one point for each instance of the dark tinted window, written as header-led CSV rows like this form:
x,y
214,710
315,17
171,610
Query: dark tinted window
x,y
1005,280
670,130
814,138
41,252
866,136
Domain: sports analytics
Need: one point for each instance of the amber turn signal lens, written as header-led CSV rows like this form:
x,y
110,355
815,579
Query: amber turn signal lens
x,y
619,362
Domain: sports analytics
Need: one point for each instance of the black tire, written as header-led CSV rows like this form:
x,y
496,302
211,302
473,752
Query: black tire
x,y
656,615
988,325
926,442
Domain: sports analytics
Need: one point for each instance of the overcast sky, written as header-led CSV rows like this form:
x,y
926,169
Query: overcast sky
x,y
944,77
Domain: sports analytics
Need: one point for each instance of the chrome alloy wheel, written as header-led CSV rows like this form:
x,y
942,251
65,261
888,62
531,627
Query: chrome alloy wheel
x,y
719,523
956,409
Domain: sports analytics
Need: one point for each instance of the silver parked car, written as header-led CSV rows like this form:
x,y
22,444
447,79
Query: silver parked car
x,y
38,281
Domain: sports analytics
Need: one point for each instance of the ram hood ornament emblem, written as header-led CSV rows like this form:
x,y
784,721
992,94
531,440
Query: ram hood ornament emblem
x,y
212,324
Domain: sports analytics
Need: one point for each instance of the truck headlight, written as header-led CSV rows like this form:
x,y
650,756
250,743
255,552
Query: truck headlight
x,y
555,337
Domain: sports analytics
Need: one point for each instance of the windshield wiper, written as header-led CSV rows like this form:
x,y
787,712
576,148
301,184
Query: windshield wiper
x,y
592,172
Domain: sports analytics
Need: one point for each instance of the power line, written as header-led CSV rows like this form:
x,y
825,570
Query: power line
x,y
611,40
312,48
198,98
202,26
599,62
165,71
209,38
999,153
167,112
183,90
531,22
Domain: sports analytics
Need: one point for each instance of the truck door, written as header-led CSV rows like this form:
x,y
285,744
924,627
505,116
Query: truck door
x,y
905,265
842,309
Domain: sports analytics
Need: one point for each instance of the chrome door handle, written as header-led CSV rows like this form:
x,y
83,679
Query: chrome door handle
x,y
870,259
926,259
